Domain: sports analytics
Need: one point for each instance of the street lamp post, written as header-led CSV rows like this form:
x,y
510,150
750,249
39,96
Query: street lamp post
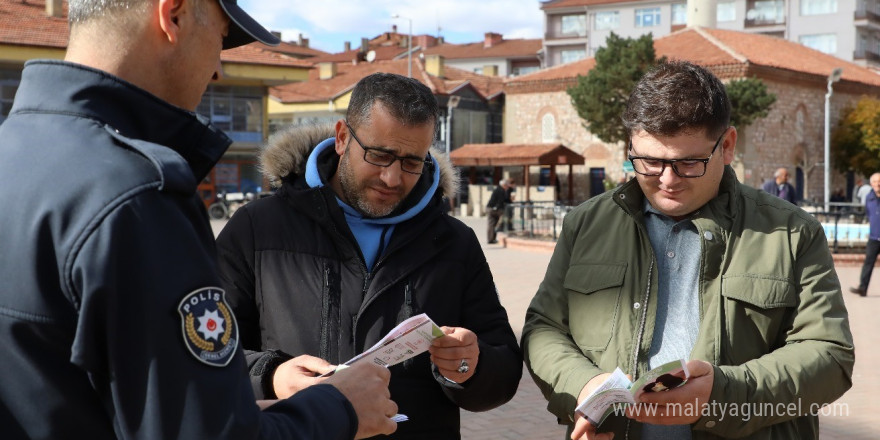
x,y
408,46
450,104
833,78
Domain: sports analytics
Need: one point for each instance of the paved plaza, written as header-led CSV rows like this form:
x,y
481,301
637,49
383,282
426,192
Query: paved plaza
x,y
517,275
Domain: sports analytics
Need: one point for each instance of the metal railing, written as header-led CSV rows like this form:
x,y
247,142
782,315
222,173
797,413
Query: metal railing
x,y
844,223
536,220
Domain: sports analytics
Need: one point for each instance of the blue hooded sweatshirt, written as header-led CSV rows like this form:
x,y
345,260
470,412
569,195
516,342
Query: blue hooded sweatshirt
x,y
372,234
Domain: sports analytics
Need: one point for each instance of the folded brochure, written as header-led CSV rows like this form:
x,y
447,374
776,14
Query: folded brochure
x,y
617,390
408,339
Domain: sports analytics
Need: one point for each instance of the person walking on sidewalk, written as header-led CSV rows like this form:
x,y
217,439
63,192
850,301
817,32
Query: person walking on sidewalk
x,y
872,247
355,241
686,262
112,321
779,186
498,202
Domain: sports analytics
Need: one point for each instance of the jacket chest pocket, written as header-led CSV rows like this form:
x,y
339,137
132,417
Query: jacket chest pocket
x,y
593,303
757,313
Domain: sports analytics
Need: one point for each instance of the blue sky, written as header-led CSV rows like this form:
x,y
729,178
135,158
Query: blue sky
x,y
329,23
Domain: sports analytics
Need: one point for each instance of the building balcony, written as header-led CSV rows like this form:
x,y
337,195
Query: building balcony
x,y
871,56
863,14
763,22
561,36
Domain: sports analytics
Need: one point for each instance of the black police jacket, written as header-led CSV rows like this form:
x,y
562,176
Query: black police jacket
x,y
111,319
298,283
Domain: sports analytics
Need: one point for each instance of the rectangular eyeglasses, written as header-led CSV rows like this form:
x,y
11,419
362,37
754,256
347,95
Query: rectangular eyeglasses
x,y
383,158
690,168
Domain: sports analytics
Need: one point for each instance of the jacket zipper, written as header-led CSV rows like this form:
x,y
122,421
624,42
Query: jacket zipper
x,y
638,344
407,313
367,278
407,301
325,315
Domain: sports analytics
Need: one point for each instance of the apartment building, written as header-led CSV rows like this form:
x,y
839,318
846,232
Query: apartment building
x,y
847,29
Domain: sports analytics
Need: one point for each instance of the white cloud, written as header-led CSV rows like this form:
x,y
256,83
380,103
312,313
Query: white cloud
x,y
329,22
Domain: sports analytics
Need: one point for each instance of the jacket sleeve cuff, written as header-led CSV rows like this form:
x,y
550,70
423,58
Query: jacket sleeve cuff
x,y
263,372
717,418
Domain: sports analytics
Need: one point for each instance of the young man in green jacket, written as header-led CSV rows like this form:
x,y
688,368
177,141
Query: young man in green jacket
x,y
685,262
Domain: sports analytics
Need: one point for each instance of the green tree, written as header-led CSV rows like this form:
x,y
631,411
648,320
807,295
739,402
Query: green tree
x,y
856,140
600,96
749,100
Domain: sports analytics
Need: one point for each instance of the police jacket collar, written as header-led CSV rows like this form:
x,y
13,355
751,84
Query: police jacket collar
x,y
129,110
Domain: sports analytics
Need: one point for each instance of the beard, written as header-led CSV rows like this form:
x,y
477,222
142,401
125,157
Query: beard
x,y
355,192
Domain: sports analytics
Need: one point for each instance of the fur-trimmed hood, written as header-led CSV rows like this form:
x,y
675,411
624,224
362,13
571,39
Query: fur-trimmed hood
x,y
288,151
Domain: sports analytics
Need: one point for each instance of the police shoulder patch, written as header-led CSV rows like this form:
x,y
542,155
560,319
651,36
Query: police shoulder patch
x,y
210,332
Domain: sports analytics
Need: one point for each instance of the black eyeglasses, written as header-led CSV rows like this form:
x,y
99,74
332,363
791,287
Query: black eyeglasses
x,y
651,166
383,158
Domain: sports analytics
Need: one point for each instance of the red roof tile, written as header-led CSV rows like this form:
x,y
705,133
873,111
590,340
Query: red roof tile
x,y
783,54
347,75
296,51
383,53
514,154
259,53
715,48
27,24
504,49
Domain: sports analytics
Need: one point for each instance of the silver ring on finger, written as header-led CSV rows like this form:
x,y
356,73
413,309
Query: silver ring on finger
x,y
463,366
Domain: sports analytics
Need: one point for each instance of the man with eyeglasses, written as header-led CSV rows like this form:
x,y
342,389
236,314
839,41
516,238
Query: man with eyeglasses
x,y
355,241
684,262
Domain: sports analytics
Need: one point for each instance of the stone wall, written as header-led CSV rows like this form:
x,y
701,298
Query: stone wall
x,y
791,136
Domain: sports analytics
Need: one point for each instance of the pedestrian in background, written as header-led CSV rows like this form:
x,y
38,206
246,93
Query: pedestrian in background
x,y
861,191
355,241
779,186
498,201
872,247
112,320
685,262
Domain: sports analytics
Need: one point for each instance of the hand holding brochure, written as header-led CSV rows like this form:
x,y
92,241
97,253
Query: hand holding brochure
x,y
409,339
617,390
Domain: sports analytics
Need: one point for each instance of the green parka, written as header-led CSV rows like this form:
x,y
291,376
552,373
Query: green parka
x,y
772,319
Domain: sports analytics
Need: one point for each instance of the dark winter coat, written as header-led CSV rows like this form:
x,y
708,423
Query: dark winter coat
x,y
299,285
104,239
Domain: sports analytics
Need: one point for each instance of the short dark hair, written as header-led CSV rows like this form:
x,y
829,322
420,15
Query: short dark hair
x,y
408,100
678,97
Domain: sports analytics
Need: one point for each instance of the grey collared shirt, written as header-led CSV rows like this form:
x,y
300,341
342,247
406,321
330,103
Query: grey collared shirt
x,y
677,250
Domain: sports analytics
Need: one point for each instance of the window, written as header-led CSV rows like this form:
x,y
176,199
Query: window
x,y
607,20
726,11
238,111
816,7
478,70
647,17
826,43
574,25
570,55
679,13
525,70
548,128
9,80
767,12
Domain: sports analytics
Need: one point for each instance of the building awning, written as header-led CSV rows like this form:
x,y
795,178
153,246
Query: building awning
x,y
505,155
